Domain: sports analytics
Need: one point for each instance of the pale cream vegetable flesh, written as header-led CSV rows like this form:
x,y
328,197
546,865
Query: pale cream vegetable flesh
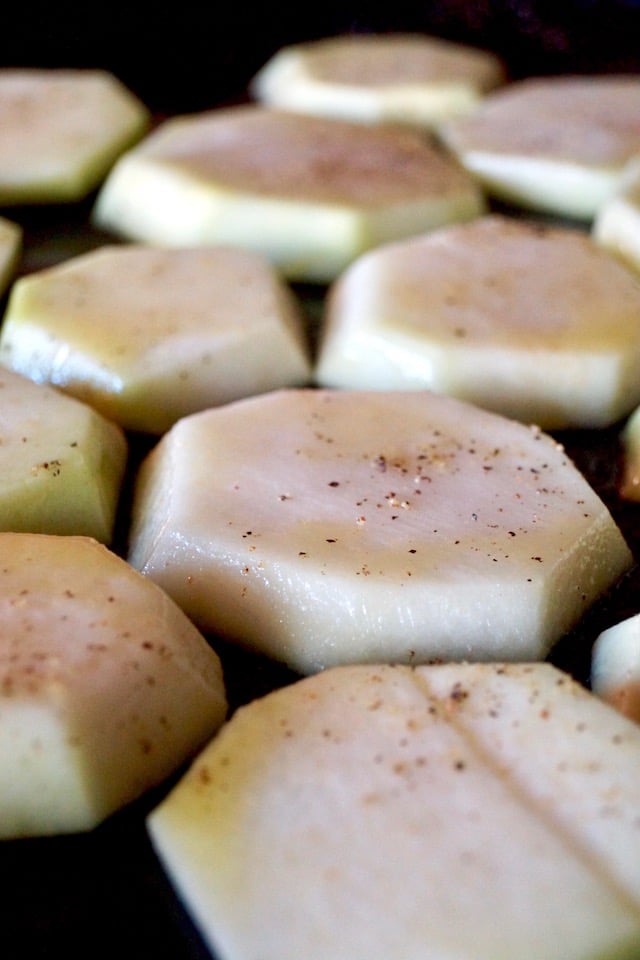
x,y
60,132
10,250
147,336
464,812
308,192
535,322
61,462
105,686
615,666
401,78
323,527
617,224
629,485
554,144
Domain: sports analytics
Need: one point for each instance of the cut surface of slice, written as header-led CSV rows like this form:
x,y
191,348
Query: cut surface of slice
x,y
555,144
61,462
323,527
563,748
105,686
615,666
10,249
295,831
535,322
629,485
308,192
60,132
147,336
401,78
617,223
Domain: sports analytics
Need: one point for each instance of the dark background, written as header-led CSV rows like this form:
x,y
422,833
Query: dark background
x,y
184,56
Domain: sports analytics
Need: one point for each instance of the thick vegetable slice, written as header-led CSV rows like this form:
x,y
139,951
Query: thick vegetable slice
x,y
562,747
534,322
324,527
361,813
105,686
60,132
555,144
10,249
61,463
400,78
308,192
617,224
630,478
147,336
615,666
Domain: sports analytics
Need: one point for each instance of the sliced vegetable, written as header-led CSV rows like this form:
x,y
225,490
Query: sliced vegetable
x,y
308,192
61,463
615,666
60,132
554,144
10,250
400,78
629,484
105,686
147,336
324,527
534,322
617,224
363,813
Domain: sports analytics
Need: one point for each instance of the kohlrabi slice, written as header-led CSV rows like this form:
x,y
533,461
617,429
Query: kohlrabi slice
x,y
356,813
323,527
105,685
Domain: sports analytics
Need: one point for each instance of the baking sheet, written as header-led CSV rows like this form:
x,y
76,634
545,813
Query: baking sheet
x,y
103,893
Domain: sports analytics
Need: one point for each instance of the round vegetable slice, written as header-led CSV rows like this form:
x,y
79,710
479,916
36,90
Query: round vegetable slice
x,y
617,223
105,685
554,144
531,321
308,192
615,666
147,336
61,462
60,132
363,812
10,249
324,527
400,78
